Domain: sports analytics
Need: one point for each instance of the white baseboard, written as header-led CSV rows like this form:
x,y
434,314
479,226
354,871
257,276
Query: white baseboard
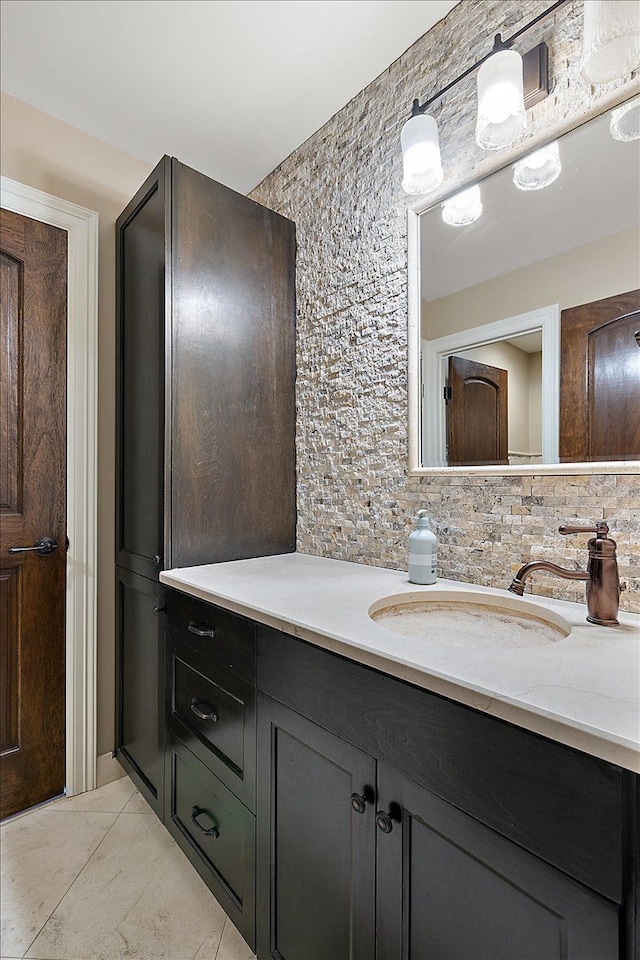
x,y
108,769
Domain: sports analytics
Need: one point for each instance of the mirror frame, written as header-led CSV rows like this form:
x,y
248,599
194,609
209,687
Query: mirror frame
x,y
414,347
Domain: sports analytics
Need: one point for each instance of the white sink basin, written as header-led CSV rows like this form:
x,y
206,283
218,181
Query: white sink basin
x,y
469,619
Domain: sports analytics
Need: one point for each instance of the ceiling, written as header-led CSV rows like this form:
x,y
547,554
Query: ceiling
x,y
231,87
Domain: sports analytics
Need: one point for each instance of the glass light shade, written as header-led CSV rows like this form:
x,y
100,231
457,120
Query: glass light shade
x,y
422,167
625,121
611,39
538,169
501,114
463,208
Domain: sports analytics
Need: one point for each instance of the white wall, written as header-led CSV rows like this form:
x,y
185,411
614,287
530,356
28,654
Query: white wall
x,y
591,272
42,152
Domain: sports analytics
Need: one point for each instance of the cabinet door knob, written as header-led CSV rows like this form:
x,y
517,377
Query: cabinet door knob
x,y
385,821
201,631
208,831
204,710
359,801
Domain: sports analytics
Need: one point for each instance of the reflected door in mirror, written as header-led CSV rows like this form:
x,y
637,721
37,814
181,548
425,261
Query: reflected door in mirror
x,y
476,414
600,380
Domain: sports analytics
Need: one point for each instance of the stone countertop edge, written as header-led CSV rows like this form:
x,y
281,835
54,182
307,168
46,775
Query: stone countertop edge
x,y
289,593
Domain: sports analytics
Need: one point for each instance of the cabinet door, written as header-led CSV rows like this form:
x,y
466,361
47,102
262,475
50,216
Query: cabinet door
x,y
449,888
233,399
141,232
316,870
139,727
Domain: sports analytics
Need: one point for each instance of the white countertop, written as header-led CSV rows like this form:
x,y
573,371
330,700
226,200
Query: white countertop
x,y
582,690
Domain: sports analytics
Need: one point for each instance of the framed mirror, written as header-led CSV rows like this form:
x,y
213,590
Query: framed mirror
x,y
523,348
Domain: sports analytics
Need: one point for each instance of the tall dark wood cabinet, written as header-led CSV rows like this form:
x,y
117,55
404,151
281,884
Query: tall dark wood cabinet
x,y
205,453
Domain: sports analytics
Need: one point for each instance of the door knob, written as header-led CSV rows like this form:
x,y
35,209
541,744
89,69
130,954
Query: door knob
x,y
43,547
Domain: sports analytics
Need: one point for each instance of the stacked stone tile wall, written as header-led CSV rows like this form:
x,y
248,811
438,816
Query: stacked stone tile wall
x,y
356,500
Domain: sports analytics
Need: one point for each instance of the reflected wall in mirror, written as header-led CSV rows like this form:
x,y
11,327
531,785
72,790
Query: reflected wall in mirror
x,y
529,314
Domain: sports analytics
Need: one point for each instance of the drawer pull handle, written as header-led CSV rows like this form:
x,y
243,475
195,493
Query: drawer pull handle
x,y
201,631
208,831
204,710
359,801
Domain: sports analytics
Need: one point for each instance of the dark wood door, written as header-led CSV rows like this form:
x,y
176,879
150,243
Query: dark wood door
x,y
449,888
316,867
600,380
140,683
33,505
477,417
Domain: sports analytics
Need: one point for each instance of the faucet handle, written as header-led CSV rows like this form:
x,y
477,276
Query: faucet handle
x,y
600,528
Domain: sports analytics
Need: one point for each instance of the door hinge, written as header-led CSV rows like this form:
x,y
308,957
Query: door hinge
x,y
447,394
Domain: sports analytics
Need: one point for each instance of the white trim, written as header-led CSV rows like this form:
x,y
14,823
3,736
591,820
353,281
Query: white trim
x,y
435,354
82,320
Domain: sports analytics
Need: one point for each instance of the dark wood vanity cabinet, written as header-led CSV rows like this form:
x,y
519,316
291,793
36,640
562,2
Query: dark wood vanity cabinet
x,y
205,462
336,812
468,839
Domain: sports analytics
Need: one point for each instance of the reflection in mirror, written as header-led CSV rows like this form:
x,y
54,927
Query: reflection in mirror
x,y
529,313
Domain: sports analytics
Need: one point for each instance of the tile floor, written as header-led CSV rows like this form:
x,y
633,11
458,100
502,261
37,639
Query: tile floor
x,y
97,877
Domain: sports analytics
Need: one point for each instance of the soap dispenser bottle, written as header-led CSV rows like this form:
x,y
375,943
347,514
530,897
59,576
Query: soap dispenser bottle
x,y
423,552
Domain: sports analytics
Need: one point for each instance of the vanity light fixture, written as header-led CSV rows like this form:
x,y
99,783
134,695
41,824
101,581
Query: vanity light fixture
x,y
501,116
611,41
501,113
463,208
538,169
422,166
625,121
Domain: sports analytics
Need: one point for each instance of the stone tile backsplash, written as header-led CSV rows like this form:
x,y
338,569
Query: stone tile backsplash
x,y
342,188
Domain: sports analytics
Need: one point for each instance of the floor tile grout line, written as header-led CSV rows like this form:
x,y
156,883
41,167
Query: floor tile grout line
x,y
76,878
207,937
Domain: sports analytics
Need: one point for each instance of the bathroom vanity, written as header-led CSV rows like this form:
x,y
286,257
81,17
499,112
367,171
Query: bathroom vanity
x,y
350,793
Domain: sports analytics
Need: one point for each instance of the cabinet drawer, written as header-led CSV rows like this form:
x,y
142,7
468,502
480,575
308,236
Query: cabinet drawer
x,y
213,713
223,638
216,832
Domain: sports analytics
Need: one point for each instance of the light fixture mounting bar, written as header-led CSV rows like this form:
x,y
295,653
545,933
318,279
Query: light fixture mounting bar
x,y
536,86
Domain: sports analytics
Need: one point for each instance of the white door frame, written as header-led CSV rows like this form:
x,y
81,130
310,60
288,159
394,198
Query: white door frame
x,y
82,326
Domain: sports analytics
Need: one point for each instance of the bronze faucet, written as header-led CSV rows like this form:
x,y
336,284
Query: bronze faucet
x,y
603,582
